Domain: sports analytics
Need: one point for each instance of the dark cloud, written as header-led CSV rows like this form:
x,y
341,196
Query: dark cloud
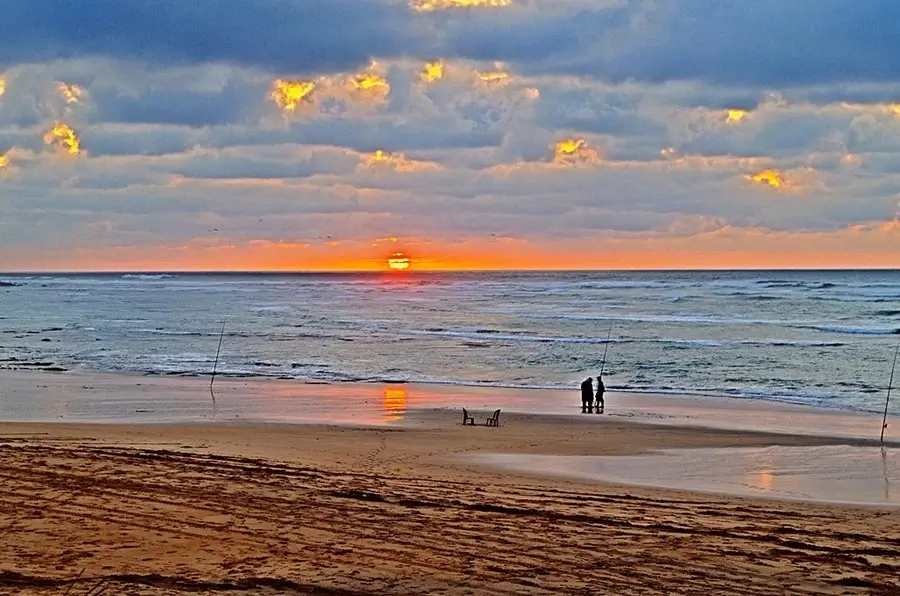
x,y
758,43
304,36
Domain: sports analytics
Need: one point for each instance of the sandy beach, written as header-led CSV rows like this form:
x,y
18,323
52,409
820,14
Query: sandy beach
x,y
407,508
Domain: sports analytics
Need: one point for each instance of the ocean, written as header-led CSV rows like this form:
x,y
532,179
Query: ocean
x,y
820,338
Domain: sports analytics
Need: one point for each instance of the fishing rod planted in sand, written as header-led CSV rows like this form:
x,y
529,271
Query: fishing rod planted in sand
x,y
216,363
605,349
888,399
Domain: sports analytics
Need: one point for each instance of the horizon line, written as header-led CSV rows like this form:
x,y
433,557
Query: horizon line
x,y
416,270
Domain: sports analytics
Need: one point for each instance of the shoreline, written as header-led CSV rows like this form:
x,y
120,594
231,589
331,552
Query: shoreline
x,y
775,400
90,397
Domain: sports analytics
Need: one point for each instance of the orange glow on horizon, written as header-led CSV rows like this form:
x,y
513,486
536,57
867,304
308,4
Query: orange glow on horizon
x,y
864,246
4,161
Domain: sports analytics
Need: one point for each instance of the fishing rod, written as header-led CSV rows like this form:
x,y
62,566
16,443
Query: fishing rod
x,y
216,363
605,349
888,399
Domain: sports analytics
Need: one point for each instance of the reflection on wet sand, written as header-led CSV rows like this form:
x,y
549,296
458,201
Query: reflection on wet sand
x,y
395,400
835,473
761,476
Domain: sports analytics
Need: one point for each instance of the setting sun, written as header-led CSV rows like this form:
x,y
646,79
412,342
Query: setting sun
x,y
398,261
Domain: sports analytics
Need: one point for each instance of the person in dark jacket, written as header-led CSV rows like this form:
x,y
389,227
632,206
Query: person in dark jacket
x,y
601,389
587,395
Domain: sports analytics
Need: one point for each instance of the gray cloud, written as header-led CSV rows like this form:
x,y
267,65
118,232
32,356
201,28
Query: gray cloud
x,y
757,43
232,104
285,35
192,141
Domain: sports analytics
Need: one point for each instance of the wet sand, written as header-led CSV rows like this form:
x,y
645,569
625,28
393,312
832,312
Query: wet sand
x,y
236,507
841,474
30,396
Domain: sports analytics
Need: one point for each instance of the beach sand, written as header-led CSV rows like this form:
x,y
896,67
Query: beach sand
x,y
234,507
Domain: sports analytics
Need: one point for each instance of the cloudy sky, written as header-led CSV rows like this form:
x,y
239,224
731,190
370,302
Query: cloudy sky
x,y
313,134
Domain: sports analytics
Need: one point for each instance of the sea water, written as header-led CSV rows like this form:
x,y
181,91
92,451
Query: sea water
x,y
822,338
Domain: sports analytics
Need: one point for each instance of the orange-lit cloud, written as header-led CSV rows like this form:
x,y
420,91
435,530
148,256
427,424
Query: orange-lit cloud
x,y
893,109
851,160
494,77
734,116
573,151
63,136
370,81
795,180
769,177
2,86
568,146
4,161
432,71
70,93
288,94
435,5
395,161
531,93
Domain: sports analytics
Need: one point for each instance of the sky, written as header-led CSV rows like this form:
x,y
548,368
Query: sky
x,y
465,134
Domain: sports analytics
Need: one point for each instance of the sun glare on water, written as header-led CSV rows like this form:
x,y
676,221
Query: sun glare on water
x,y
398,262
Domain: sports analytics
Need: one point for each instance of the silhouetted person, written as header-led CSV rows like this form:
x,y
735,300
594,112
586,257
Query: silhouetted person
x,y
601,389
587,395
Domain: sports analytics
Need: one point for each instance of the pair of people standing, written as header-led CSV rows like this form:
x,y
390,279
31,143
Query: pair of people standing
x,y
588,396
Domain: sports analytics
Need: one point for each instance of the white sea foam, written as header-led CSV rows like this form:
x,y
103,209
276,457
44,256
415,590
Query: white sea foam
x,y
148,276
